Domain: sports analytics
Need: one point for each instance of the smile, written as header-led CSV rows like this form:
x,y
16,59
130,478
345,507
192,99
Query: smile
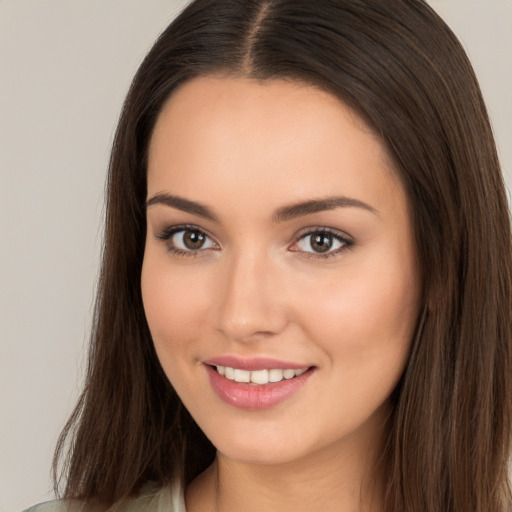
x,y
257,387
258,377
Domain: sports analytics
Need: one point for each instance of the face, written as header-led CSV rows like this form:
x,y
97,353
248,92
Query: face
x,y
279,278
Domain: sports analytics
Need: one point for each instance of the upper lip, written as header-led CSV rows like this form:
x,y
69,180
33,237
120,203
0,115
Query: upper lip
x,y
254,363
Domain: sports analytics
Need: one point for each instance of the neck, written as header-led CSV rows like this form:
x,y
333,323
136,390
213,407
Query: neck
x,y
341,477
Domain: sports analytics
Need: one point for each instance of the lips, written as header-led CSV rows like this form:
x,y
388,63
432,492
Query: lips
x,y
259,377
254,363
255,383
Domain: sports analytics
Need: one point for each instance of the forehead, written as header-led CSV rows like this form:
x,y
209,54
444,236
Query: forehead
x,y
279,138
250,105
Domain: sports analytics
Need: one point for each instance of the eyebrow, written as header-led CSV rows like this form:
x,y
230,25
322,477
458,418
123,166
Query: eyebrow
x,y
183,204
318,205
280,215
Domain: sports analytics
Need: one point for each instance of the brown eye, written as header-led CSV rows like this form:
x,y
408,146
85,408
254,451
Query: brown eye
x,y
190,240
321,242
193,240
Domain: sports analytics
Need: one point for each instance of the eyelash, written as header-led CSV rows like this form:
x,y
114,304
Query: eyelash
x,y
167,234
346,243
344,240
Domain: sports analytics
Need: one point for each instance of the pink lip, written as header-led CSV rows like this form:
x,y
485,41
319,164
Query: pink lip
x,y
256,363
254,397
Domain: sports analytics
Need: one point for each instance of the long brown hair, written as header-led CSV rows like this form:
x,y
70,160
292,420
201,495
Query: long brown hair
x,y
401,68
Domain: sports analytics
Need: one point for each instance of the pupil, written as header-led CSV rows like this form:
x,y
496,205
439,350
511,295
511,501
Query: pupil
x,y
193,239
321,242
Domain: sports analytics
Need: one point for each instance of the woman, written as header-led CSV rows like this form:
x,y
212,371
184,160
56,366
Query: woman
x,y
306,286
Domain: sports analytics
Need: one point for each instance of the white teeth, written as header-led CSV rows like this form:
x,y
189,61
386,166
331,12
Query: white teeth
x,y
242,375
288,374
275,375
258,377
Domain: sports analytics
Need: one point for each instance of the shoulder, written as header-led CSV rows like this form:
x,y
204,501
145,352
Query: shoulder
x,y
152,499
57,506
162,499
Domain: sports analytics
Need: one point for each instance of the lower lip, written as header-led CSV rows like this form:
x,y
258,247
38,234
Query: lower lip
x,y
251,396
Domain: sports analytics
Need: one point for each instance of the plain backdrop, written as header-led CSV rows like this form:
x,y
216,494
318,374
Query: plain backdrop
x,y
65,66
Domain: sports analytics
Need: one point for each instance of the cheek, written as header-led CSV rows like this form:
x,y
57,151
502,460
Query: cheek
x,y
365,319
175,303
364,325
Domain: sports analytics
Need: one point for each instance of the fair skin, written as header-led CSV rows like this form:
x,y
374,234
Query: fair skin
x,y
331,289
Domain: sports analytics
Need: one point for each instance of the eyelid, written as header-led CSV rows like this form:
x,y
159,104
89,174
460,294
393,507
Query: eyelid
x,y
165,235
347,241
325,229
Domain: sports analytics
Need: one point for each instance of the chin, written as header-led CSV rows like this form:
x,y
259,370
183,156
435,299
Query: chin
x,y
268,445
257,455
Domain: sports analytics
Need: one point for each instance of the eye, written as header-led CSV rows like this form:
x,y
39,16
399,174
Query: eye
x,y
321,242
187,239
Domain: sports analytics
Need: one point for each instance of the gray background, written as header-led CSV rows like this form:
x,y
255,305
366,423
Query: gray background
x,y
65,67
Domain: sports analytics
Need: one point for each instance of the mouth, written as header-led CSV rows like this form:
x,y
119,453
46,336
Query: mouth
x,y
258,377
259,387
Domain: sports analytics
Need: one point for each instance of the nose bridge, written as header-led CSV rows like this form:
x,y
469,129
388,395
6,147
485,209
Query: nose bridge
x,y
249,305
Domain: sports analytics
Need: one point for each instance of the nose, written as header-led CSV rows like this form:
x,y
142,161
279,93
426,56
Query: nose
x,y
250,306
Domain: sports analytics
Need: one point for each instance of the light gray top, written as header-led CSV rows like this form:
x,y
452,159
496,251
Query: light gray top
x,y
164,499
